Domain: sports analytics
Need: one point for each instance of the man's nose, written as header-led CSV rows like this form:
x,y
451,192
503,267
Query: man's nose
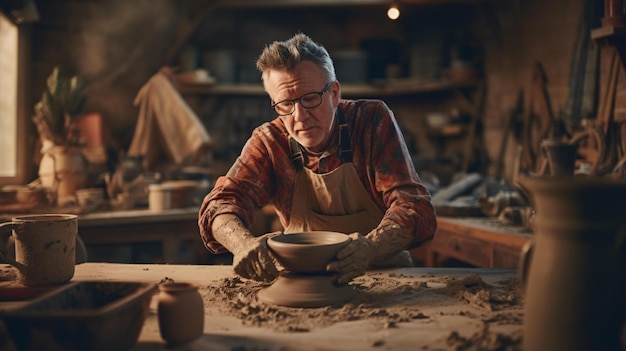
x,y
300,113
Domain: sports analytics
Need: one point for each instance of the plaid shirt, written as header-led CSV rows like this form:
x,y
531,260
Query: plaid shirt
x,y
264,174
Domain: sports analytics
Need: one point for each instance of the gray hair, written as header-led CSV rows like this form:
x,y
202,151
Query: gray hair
x,y
287,54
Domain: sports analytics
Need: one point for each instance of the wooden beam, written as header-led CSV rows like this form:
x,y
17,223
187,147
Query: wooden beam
x,y
188,28
327,3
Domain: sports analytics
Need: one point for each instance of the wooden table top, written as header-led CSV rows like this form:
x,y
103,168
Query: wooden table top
x,y
439,320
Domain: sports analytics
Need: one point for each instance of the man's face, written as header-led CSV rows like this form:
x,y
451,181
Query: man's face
x,y
310,127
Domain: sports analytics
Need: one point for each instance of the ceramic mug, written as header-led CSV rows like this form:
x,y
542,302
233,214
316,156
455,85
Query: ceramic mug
x,y
45,247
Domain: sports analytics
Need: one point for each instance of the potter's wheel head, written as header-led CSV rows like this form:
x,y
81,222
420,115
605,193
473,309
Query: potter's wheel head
x,y
307,251
308,291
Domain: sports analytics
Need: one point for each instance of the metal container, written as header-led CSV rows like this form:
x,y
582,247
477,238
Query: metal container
x,y
176,194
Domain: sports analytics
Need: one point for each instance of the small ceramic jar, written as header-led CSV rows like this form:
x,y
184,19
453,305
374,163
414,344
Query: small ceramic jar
x,y
181,313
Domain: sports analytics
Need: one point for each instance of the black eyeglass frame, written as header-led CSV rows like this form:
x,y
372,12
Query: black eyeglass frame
x,y
299,100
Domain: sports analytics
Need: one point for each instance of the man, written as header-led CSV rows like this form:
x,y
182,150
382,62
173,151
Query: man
x,y
325,164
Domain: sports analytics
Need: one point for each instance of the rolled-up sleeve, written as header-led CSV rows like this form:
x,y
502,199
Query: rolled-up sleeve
x,y
250,183
386,167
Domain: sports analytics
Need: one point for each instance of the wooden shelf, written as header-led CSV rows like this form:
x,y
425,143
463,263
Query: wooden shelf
x,y
450,130
608,32
382,88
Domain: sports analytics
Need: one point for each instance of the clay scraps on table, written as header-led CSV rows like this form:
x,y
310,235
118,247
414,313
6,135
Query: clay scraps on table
x,y
386,298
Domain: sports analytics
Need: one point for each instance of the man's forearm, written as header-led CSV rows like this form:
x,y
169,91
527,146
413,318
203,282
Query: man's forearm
x,y
230,231
388,239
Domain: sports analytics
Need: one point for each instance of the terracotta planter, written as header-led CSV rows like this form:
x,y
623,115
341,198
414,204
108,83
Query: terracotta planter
x,y
181,313
575,279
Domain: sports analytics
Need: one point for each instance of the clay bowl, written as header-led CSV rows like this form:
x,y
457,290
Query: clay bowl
x,y
307,251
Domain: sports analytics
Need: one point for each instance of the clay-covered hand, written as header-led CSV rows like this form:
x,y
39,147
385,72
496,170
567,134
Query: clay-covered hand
x,y
352,261
252,259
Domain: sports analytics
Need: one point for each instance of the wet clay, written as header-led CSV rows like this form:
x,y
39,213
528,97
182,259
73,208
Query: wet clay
x,y
307,251
304,281
388,299
300,290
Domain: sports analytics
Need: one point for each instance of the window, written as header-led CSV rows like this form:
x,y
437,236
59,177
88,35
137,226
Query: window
x,y
8,98
15,163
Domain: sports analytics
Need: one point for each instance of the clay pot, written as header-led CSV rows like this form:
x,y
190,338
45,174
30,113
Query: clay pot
x,y
561,157
64,170
307,251
574,279
181,313
302,290
304,281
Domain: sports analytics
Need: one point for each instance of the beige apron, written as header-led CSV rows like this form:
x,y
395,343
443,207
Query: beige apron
x,y
335,201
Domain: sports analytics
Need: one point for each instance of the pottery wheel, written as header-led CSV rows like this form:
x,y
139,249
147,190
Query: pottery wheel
x,y
305,290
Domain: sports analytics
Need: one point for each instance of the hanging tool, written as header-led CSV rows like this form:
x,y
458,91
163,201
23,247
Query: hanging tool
x,y
541,124
511,119
476,109
598,141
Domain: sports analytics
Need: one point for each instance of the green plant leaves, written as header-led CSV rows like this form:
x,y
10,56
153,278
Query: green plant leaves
x,y
60,105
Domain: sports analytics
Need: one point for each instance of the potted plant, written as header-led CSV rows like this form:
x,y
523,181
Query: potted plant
x,y
63,167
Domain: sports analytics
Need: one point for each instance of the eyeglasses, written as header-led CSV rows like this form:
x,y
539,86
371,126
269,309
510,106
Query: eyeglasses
x,y
308,101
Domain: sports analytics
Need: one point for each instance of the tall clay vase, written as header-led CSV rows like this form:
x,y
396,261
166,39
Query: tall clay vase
x,y
575,295
181,313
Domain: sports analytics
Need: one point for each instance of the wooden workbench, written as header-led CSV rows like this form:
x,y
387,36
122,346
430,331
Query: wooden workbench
x,y
172,230
140,235
476,241
432,329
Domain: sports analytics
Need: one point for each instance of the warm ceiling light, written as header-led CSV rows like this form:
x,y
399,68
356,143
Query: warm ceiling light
x,y
393,12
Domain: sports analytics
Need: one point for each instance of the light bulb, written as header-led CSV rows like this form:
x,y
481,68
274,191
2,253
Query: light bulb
x,y
393,12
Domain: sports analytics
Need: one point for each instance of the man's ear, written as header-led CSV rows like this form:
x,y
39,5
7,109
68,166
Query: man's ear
x,y
335,89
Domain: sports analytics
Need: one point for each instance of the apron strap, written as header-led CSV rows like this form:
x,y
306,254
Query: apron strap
x,y
297,158
345,149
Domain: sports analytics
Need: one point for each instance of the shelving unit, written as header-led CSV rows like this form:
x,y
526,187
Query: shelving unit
x,y
427,85
214,97
382,88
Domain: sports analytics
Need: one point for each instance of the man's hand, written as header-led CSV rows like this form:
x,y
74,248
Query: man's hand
x,y
252,259
352,261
